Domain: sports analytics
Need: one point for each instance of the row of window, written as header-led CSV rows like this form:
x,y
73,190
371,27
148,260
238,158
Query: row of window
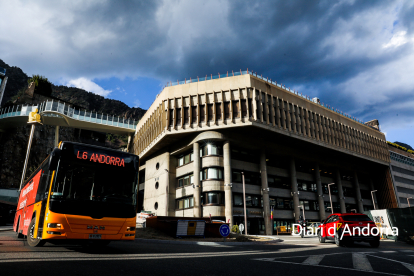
x,y
256,201
239,109
208,198
273,182
207,149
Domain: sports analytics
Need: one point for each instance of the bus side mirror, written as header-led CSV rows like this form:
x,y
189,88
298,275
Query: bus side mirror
x,y
54,159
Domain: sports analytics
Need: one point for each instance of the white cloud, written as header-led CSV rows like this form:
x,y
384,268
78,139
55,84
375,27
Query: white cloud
x,y
89,86
397,40
137,103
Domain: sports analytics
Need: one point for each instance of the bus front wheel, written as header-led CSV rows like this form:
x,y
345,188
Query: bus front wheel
x,y
33,242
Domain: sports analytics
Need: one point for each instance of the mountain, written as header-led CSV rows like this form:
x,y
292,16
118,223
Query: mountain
x,y
13,142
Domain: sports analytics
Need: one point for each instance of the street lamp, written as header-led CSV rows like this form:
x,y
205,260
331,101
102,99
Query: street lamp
x,y
354,210
373,201
244,205
303,210
330,197
408,200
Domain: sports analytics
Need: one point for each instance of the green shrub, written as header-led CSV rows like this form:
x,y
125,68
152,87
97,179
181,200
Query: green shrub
x,y
235,229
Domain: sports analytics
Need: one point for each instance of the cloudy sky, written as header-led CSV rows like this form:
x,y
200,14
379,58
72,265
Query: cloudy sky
x,y
356,56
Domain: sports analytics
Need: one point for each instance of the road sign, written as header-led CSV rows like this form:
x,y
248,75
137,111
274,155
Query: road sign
x,y
224,230
241,227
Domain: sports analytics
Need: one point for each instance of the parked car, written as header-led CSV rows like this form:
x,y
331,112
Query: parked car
x,y
348,228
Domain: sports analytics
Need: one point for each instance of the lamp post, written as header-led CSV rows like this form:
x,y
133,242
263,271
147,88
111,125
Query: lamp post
x,y
408,200
303,210
244,205
354,210
330,197
373,201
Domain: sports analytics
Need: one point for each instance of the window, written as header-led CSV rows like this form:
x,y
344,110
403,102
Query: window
x,y
178,116
171,119
218,111
202,113
250,108
212,149
251,200
249,177
278,182
334,189
186,115
236,113
244,108
185,180
193,114
226,110
184,203
185,159
306,204
366,194
213,198
211,173
210,112
304,185
349,192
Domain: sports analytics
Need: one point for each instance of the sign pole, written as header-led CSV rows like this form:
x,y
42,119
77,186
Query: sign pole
x,y
27,156
244,205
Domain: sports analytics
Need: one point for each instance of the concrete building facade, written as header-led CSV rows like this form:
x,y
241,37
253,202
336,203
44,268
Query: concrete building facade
x,y
402,168
198,140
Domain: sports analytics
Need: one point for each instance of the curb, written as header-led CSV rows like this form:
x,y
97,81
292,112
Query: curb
x,y
204,243
7,229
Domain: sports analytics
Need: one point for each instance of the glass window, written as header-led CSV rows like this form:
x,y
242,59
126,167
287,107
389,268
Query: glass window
x,y
185,159
238,200
212,173
185,180
181,161
212,149
214,198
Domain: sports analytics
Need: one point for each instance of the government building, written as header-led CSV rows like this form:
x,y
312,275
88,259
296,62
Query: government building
x,y
201,137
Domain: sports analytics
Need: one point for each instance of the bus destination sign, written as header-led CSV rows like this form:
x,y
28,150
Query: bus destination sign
x,y
101,158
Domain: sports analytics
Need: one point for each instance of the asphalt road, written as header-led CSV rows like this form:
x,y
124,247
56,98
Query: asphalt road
x,y
293,256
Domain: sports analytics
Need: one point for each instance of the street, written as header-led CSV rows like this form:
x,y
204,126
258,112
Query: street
x,y
293,256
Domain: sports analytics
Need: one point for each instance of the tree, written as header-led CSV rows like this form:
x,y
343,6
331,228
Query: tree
x,y
42,85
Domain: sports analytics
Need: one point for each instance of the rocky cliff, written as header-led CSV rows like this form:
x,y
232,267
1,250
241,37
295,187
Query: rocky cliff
x,y
13,142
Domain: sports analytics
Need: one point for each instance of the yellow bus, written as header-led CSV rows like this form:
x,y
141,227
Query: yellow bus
x,y
80,193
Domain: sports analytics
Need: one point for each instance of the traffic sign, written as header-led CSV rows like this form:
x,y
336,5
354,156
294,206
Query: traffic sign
x,y
224,230
241,227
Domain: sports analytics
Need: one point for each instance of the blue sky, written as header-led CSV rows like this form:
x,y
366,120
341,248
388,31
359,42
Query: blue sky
x,y
357,56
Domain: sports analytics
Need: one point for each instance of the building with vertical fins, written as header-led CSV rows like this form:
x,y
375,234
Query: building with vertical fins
x,y
200,137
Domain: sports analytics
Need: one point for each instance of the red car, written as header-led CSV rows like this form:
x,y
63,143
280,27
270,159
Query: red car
x,y
348,228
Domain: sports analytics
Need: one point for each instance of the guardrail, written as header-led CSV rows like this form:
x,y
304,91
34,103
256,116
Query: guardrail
x,y
68,111
247,72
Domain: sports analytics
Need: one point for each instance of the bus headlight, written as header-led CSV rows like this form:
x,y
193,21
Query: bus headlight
x,y
54,225
130,228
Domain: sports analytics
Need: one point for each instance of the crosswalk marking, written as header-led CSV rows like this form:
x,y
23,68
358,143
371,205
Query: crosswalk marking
x,y
313,260
410,267
361,262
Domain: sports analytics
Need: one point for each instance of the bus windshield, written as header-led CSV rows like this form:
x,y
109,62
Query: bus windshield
x,y
94,189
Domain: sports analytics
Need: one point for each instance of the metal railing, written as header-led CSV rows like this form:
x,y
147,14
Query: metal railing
x,y
68,111
401,158
247,72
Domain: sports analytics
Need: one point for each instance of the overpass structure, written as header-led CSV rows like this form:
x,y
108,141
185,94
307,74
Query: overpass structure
x,y
60,114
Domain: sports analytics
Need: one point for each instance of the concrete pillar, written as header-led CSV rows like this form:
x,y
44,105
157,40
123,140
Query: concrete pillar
x,y
57,136
319,189
294,184
265,193
228,195
196,177
358,193
371,186
340,191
